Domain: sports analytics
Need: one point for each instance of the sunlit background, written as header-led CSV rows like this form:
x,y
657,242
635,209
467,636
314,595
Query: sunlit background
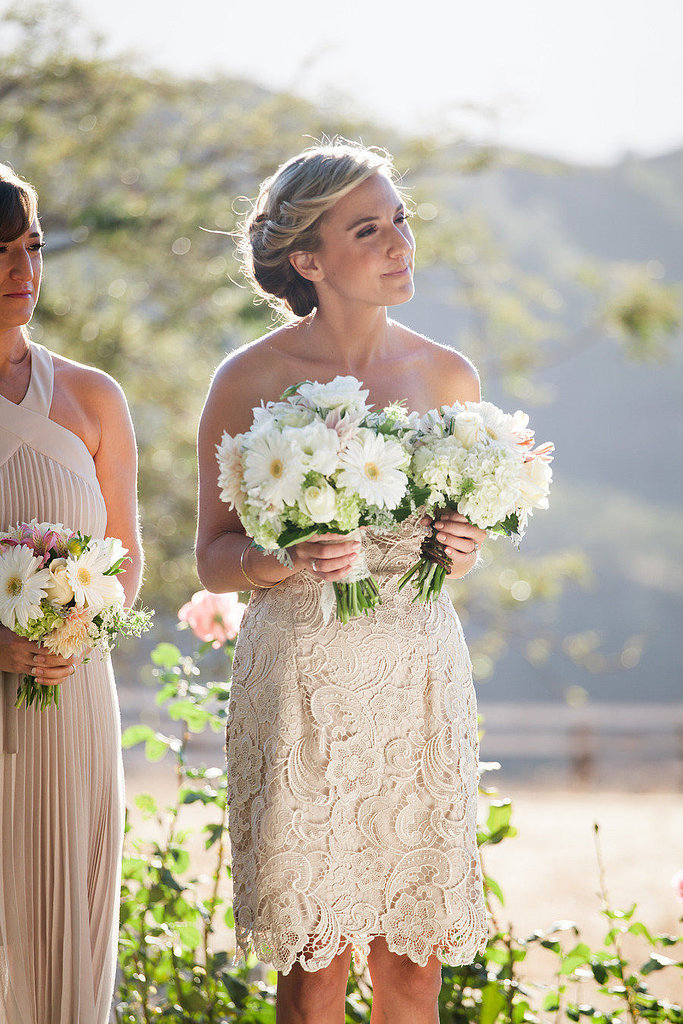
x,y
543,144
585,81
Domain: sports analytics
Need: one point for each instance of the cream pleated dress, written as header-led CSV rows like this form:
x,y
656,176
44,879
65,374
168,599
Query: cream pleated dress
x,y
61,779
353,774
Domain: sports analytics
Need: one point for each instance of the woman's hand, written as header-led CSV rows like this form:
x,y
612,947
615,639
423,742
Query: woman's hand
x,y
327,556
460,539
28,658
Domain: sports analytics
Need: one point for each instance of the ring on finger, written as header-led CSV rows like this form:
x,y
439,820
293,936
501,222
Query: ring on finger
x,y
313,565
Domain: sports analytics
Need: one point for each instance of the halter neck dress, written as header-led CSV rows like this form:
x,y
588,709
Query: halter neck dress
x,y
61,776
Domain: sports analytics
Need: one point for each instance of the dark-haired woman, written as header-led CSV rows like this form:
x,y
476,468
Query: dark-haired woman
x,y
352,750
67,455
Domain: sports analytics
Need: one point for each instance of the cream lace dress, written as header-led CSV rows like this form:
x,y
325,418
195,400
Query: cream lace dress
x,y
353,774
61,780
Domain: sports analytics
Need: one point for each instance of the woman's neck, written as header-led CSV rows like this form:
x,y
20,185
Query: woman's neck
x,y
14,350
350,339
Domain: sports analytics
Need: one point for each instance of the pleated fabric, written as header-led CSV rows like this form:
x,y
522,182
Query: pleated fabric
x,y
61,776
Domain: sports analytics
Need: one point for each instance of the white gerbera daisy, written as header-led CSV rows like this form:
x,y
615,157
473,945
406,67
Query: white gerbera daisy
x,y
23,585
273,469
91,587
372,467
229,455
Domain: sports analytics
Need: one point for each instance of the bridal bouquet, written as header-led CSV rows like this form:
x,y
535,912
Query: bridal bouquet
x,y
480,461
320,461
59,588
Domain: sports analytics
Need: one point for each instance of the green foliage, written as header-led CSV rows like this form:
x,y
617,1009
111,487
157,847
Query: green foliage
x,y
172,966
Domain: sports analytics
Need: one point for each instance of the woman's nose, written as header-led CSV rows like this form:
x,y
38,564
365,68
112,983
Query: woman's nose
x,y
399,243
22,267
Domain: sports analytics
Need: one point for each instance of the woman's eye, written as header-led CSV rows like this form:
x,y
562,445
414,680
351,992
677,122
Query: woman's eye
x,y
37,246
366,231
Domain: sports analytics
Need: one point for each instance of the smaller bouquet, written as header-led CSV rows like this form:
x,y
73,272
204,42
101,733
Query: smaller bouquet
x,y
59,588
480,461
319,461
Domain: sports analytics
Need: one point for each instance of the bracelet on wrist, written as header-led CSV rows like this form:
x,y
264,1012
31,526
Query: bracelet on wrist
x,y
253,583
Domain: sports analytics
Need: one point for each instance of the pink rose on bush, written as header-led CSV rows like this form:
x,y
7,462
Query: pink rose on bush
x,y
677,882
213,618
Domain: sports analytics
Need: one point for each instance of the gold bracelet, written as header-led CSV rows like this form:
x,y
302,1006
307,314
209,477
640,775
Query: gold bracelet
x,y
258,586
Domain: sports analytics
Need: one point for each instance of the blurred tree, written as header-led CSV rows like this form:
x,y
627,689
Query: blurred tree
x,y
132,165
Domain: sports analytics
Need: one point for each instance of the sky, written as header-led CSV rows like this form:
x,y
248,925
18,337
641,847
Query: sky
x,y
586,80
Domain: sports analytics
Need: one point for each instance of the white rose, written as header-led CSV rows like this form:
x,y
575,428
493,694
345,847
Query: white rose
x,y
58,588
320,503
469,428
534,483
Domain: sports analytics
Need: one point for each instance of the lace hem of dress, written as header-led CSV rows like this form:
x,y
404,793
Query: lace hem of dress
x,y
450,948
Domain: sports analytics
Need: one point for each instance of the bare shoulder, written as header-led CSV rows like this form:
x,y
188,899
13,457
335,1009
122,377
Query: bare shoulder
x,y
249,375
449,375
92,387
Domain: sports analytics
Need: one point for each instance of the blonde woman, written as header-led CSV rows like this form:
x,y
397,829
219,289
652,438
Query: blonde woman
x,y
67,455
352,750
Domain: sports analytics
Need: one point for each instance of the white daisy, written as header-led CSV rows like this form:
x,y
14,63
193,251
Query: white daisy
x,y
91,587
273,469
372,467
23,585
229,455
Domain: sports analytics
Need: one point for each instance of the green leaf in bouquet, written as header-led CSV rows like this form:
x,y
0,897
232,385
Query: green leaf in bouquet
x,y
508,528
294,535
292,389
414,498
116,568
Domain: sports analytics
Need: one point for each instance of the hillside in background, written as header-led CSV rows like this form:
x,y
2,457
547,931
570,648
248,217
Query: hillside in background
x,y
616,423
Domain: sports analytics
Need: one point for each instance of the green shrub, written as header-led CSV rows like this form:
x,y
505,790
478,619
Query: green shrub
x,y
171,970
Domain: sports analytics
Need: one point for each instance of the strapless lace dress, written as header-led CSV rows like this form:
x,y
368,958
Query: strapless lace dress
x,y
353,774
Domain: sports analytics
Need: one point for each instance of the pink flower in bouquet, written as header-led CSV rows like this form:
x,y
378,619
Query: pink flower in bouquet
x,y
41,542
677,882
72,636
213,618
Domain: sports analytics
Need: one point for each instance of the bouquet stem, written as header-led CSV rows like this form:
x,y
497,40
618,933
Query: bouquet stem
x,y
30,692
355,598
429,573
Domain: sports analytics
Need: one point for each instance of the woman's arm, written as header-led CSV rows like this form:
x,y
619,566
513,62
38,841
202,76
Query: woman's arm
x,y
221,540
116,466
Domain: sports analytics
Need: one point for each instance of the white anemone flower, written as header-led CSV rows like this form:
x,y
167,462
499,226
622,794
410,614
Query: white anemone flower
x,y
273,469
343,393
320,447
23,585
92,589
371,467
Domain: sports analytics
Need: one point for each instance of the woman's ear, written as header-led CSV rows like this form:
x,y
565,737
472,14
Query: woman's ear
x,y
306,264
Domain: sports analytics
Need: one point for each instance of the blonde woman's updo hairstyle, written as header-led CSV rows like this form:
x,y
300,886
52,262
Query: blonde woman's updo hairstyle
x,y
287,214
18,205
